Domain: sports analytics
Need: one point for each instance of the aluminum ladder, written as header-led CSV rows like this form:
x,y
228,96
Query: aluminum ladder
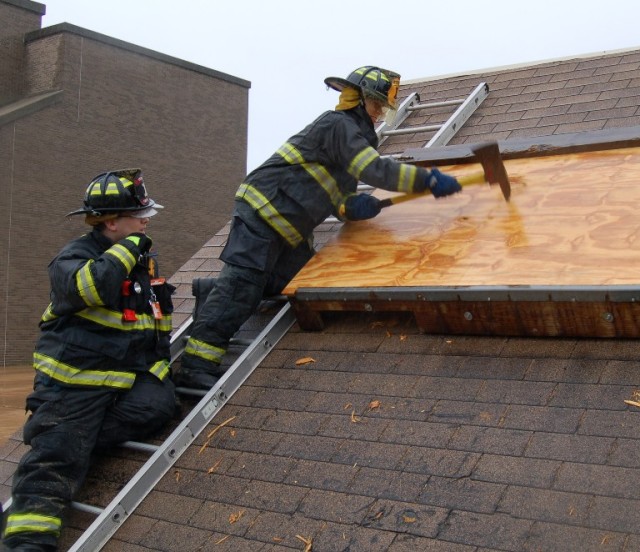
x,y
443,132
110,519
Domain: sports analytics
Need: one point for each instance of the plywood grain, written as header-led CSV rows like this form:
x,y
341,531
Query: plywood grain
x,y
572,220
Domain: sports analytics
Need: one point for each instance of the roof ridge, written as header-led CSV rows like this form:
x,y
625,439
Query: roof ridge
x,y
520,65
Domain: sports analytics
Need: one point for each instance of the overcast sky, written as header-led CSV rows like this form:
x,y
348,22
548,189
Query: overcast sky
x,y
286,48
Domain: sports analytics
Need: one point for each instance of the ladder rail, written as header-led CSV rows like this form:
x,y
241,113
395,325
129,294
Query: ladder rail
x,y
404,110
460,116
444,131
123,505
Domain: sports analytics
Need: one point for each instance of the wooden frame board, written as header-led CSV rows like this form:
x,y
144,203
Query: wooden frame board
x,y
561,258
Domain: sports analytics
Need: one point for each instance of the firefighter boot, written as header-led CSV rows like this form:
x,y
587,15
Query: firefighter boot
x,y
31,547
196,374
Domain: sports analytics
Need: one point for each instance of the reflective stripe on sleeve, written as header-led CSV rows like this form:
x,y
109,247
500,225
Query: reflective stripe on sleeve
x,y
48,314
123,255
86,285
160,369
407,178
361,161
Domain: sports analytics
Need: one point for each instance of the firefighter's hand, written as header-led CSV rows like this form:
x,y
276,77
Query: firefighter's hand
x,y
140,239
441,184
361,207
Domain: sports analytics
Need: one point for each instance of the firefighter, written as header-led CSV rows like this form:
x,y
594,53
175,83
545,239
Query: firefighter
x,y
102,359
313,175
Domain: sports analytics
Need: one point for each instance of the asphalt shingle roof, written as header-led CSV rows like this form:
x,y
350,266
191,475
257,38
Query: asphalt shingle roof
x,y
395,440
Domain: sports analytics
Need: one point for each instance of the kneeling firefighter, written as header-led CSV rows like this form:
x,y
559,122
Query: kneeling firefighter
x,y
102,359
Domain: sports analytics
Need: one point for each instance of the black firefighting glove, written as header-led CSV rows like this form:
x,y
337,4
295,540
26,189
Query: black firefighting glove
x,y
441,184
140,239
361,207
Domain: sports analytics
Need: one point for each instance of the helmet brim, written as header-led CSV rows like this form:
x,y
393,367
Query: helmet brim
x,y
151,208
339,84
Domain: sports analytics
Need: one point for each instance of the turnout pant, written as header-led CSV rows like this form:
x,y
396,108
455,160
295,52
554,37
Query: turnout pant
x,y
66,427
258,264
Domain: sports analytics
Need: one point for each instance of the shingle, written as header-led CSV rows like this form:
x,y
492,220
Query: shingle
x,y
488,443
515,470
623,423
542,418
395,440
495,531
546,505
606,481
405,517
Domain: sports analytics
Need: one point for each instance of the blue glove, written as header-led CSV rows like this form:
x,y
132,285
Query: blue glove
x,y
361,207
441,184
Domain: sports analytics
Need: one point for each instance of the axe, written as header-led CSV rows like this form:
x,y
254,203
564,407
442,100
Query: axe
x,y
493,171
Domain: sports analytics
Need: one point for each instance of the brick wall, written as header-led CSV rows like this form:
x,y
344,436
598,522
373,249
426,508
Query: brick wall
x,y
17,17
122,106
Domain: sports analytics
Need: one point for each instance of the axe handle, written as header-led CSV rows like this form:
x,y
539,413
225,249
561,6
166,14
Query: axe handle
x,y
466,180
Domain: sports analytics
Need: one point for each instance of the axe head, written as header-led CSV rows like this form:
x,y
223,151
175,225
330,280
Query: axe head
x,y
488,154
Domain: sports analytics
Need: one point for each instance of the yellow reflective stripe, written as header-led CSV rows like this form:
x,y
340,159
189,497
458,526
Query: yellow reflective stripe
x,y
160,369
269,213
31,522
113,319
125,182
65,373
290,154
319,173
361,161
48,314
87,286
204,350
407,178
322,177
122,254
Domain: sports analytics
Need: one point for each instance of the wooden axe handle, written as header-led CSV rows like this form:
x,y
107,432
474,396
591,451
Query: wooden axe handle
x,y
466,180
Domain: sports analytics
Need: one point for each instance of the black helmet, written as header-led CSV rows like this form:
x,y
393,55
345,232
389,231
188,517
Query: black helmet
x,y
116,191
373,82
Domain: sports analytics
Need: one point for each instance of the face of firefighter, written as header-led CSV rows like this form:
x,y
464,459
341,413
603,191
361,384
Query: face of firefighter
x,y
376,109
119,228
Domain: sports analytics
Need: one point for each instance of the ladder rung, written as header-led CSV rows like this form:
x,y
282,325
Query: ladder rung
x,y
411,130
240,342
190,391
82,507
137,445
429,105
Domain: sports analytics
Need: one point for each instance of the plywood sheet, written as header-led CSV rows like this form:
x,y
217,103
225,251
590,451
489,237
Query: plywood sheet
x,y
572,221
